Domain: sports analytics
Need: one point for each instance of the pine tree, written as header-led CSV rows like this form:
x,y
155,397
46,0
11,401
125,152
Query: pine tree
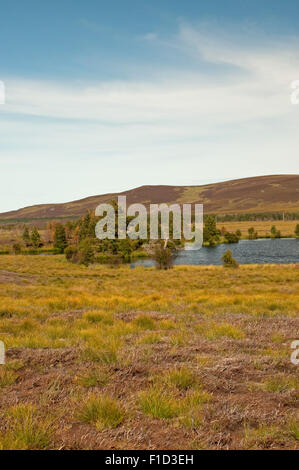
x,y
210,233
26,236
35,237
60,242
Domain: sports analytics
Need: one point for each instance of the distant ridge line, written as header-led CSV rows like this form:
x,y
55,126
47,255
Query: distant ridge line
x,y
258,194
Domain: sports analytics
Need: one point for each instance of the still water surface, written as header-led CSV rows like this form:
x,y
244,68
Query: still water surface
x,y
262,251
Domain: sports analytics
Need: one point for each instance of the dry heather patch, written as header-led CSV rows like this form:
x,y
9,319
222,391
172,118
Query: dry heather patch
x,y
195,357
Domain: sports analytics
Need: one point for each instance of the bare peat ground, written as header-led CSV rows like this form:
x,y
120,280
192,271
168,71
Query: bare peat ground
x,y
115,358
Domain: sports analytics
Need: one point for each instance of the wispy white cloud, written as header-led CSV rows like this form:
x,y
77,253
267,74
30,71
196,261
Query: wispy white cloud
x,y
157,131
150,37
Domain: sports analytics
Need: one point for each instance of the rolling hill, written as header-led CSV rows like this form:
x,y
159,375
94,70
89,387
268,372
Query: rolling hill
x,y
272,193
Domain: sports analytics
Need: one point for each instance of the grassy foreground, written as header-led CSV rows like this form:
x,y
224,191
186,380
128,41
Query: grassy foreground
x,y
120,358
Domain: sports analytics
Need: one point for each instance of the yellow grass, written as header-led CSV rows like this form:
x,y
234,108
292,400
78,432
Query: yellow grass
x,y
203,350
263,228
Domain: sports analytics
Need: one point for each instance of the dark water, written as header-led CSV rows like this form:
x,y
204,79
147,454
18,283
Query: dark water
x,y
275,251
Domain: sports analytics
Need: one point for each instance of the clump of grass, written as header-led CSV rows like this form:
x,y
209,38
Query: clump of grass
x,y
7,377
191,420
228,261
262,437
52,392
280,384
150,338
98,317
204,360
145,322
93,378
178,339
155,402
276,354
293,429
26,429
162,403
195,399
277,338
14,365
104,411
103,351
167,325
215,330
182,378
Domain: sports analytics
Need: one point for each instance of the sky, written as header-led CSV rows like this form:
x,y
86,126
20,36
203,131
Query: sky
x,y
106,96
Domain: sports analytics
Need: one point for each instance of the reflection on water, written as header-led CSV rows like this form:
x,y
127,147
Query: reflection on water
x,y
262,251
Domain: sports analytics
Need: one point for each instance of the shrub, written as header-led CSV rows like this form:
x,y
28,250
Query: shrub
x,y
86,253
17,248
252,234
231,237
80,254
228,261
71,253
163,257
275,233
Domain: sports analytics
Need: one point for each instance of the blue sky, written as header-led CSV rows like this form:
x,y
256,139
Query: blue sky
x,y
102,97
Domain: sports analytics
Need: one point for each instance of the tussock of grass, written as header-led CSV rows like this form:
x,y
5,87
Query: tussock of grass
x,y
93,378
292,429
103,351
150,338
214,330
167,325
280,384
7,377
145,322
104,411
98,317
182,378
14,365
203,361
161,403
26,429
191,420
263,436
195,399
157,403
178,339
